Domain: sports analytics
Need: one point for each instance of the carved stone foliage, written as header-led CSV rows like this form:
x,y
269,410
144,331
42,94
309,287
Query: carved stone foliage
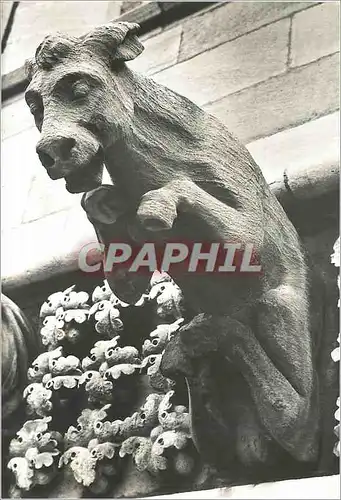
x,y
96,404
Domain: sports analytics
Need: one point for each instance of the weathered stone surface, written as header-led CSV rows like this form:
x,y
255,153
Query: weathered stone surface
x,y
142,13
35,20
5,11
229,21
160,52
33,250
300,149
127,5
281,102
15,117
47,197
231,66
315,488
13,83
315,33
44,248
19,164
150,34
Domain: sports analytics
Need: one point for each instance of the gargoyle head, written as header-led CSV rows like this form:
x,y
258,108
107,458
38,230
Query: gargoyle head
x,y
79,97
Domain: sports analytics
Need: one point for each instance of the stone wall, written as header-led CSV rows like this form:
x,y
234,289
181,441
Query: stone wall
x,y
269,70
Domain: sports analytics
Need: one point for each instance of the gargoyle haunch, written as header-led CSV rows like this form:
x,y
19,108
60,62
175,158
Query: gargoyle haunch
x,y
178,174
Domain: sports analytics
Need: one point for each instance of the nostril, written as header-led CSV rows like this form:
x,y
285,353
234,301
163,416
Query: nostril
x,y
66,144
46,160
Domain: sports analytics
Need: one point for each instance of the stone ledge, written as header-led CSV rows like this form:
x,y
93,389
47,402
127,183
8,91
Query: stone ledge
x,y
304,159
326,487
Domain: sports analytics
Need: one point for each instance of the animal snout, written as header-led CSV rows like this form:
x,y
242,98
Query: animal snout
x,y
50,152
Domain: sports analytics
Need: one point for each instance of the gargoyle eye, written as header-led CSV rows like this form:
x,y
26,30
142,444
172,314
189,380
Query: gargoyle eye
x,y
152,359
80,89
162,288
98,425
20,439
116,301
39,435
49,384
61,316
66,298
93,357
155,342
31,389
163,414
143,416
53,363
103,288
49,303
110,352
79,427
89,376
117,349
93,453
160,441
45,321
15,465
73,454
36,368
101,306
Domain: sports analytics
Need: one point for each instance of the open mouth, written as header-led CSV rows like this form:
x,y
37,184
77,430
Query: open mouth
x,y
87,177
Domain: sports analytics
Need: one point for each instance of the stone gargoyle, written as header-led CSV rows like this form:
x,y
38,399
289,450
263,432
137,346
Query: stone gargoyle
x,y
178,174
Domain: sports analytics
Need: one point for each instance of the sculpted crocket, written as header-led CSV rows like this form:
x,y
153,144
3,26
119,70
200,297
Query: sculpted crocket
x,y
179,174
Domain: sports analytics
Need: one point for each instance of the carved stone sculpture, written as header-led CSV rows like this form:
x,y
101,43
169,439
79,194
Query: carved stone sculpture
x,y
247,354
20,344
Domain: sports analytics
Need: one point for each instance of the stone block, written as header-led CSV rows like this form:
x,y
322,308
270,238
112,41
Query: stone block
x,y
315,33
19,165
231,66
44,248
231,20
33,247
15,116
47,196
161,51
281,102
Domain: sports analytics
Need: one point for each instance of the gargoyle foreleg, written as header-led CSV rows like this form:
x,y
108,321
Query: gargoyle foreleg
x,y
159,208
285,405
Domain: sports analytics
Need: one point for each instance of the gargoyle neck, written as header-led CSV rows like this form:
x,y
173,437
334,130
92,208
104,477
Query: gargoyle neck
x,y
166,131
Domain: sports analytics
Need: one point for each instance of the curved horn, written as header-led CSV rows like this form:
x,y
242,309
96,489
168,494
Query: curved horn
x,y
116,41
